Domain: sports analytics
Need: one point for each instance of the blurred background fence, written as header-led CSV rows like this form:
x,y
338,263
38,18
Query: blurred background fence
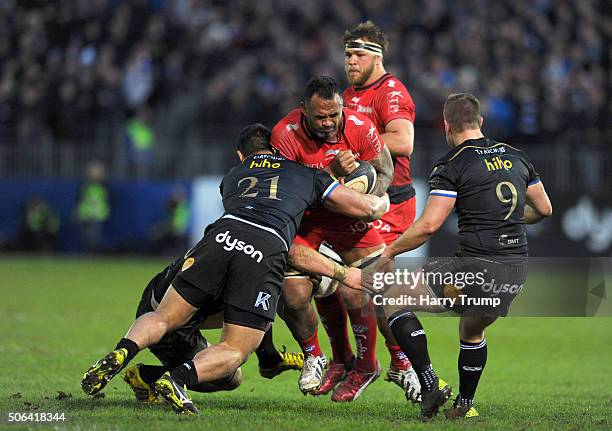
x,y
572,162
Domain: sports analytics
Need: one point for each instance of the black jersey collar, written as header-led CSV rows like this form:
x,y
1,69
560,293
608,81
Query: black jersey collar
x,y
274,155
478,142
484,141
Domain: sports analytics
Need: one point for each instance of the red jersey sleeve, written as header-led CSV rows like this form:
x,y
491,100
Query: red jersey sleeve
x,y
281,140
393,101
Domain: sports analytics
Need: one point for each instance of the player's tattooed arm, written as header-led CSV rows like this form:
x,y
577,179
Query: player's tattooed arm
x,y
308,260
384,171
311,261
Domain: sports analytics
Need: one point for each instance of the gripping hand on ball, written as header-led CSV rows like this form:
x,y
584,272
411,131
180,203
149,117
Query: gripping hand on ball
x,y
343,164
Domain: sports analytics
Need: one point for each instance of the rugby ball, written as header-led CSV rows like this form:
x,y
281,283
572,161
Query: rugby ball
x,y
362,179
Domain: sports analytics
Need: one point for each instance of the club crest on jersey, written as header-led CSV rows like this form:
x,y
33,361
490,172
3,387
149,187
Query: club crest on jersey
x,y
290,127
187,264
355,99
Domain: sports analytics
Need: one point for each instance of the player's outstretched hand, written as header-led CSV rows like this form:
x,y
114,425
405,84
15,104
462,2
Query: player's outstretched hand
x,y
343,164
373,276
353,278
359,280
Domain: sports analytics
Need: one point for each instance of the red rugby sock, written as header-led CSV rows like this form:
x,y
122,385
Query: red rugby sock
x,y
399,360
364,324
333,316
311,344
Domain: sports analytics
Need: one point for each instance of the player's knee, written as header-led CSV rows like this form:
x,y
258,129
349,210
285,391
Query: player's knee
x,y
235,356
297,293
160,321
471,329
296,303
471,336
352,297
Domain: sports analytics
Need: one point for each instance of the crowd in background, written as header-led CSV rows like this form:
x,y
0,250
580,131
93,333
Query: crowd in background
x,y
123,77
77,71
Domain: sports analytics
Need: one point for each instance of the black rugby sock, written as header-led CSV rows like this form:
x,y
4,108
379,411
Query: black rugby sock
x,y
185,374
151,373
410,335
130,346
267,355
471,363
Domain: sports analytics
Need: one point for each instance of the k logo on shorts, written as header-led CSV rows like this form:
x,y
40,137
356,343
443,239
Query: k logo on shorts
x,y
262,301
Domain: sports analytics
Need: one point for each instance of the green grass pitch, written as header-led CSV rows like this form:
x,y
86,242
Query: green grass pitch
x,y
59,315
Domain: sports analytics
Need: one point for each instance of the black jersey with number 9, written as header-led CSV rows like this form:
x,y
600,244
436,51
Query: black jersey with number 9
x,y
489,180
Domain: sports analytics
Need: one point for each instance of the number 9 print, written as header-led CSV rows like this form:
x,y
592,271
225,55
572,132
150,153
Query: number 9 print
x,y
513,199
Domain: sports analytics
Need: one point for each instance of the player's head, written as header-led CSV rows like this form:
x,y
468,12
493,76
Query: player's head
x,y
322,107
254,138
461,114
364,48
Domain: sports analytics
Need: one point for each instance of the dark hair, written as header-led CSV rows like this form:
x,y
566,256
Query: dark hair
x,y
367,30
325,87
462,112
253,138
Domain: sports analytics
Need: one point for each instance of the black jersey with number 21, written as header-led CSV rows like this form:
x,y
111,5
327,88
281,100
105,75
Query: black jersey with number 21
x,y
273,191
489,180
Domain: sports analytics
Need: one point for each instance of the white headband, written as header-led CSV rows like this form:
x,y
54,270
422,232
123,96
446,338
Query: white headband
x,y
362,45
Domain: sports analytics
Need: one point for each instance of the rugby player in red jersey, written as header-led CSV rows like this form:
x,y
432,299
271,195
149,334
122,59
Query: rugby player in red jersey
x,y
383,98
324,135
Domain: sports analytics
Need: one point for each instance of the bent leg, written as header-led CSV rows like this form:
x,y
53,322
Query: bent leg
x,y
300,317
173,312
361,311
225,384
221,360
148,329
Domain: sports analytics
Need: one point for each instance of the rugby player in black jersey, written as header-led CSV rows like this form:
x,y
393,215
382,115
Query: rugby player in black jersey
x,y
182,344
495,191
238,265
